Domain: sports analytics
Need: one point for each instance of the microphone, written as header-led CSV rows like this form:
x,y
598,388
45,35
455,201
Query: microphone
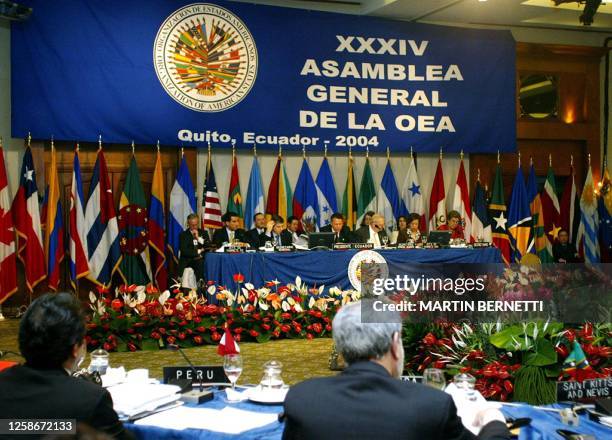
x,y
193,396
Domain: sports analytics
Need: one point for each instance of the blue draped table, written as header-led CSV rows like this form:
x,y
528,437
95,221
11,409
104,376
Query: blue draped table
x,y
543,425
327,268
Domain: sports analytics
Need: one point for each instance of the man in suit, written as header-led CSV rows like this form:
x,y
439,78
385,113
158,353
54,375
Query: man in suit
x,y
231,233
373,233
276,232
252,236
193,243
342,233
368,400
52,341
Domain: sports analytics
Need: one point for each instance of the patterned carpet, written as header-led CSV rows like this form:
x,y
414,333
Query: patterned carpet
x,y
301,359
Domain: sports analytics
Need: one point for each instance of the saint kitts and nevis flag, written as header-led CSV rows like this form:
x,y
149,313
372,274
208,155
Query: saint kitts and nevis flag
x,y
79,266
349,198
519,219
390,204
499,217
280,198
326,194
367,194
255,195
8,250
234,198
182,203
157,226
54,229
537,214
26,213
211,206
305,199
133,229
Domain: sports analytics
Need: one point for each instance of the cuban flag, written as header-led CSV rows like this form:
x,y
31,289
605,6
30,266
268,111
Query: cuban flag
x,y
182,203
79,267
255,196
103,252
26,212
389,202
326,194
305,200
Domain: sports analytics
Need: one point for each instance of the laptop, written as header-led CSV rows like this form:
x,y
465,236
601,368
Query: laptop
x,y
441,238
320,240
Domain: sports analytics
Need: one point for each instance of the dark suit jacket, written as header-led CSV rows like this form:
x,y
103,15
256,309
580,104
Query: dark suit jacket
x,y
252,238
220,236
366,402
286,238
363,234
189,251
346,236
30,393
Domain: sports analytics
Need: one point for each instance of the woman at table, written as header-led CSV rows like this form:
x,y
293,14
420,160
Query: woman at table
x,y
412,234
453,224
402,226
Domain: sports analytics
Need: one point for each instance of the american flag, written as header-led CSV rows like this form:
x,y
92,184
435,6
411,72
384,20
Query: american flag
x,y
211,208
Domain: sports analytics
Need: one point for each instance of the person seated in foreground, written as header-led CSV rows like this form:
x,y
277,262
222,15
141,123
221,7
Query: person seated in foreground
x,y
563,250
453,224
231,233
373,233
276,233
52,341
342,233
193,243
368,400
252,236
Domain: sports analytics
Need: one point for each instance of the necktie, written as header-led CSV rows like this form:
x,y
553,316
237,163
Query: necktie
x,y
231,236
278,240
337,237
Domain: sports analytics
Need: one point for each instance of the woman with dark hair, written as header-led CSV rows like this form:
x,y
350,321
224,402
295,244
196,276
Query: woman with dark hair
x,y
367,217
412,234
52,341
402,226
453,224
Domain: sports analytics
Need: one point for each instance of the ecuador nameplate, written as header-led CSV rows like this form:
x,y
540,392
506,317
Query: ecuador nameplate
x,y
585,391
362,246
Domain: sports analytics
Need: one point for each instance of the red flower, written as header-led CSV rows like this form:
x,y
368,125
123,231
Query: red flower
x,y
116,304
238,330
309,336
198,339
171,339
266,327
562,351
182,336
238,278
256,316
318,328
430,339
131,331
201,329
162,330
155,335
131,346
215,337
328,327
285,328
213,328
254,333
275,333
107,346
439,364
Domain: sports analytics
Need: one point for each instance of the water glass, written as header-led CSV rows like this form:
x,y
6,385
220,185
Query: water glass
x,y
434,377
232,365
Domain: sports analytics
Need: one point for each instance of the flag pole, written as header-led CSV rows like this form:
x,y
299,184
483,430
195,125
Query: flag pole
x,y
411,155
255,149
478,175
29,140
304,151
99,142
498,161
550,160
368,152
388,154
158,145
133,148
440,153
461,154
233,151
325,150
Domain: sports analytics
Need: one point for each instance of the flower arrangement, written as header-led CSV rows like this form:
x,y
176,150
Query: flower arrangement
x,y
142,318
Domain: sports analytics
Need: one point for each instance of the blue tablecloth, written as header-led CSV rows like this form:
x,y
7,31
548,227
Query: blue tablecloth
x,y
325,267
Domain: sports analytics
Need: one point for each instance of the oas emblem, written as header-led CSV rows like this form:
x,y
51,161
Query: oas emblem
x,y
205,57
361,268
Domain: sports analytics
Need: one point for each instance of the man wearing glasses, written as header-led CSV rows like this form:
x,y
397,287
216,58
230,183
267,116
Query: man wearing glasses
x,y
374,232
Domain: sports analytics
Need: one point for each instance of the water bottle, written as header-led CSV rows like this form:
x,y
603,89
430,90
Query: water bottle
x,y
99,361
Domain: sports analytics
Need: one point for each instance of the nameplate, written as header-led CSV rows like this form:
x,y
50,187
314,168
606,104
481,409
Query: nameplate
x,y
363,246
405,246
431,246
415,379
482,244
586,391
234,249
204,374
284,248
342,246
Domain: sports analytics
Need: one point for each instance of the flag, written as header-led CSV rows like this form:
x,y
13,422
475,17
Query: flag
x,y
182,203
576,360
8,255
326,193
133,229
211,207
412,195
349,198
519,218
481,223
156,225
551,210
26,213
102,229
305,198
255,195
227,344
437,200
389,201
79,267
367,194
54,228
497,213
280,199
234,198
537,214
461,203
569,218
589,222
605,217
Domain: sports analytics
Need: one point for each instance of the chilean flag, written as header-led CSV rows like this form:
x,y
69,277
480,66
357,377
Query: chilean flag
x,y
79,267
305,199
103,252
26,212
8,258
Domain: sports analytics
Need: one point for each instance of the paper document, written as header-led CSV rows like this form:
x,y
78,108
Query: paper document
x,y
131,399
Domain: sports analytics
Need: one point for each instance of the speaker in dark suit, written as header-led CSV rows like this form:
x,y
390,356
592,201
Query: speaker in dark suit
x,y
368,400
342,233
252,235
284,238
193,244
376,226
51,339
231,233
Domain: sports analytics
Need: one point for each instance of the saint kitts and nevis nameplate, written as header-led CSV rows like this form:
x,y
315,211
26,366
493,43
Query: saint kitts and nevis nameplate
x,y
191,73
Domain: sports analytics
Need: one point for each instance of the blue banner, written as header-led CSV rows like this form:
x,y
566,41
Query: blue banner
x,y
191,74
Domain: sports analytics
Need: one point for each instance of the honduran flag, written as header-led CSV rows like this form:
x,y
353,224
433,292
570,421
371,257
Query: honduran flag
x,y
389,202
103,251
157,226
54,229
8,256
26,212
326,192
182,203
305,199
79,266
